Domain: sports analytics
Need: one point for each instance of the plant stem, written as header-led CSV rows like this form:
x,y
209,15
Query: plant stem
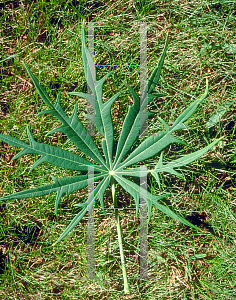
x,y
122,257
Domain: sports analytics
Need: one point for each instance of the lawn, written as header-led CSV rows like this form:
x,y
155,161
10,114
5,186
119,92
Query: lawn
x,y
183,263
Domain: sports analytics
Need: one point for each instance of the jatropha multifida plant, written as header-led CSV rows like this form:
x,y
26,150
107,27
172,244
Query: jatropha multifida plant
x,y
108,169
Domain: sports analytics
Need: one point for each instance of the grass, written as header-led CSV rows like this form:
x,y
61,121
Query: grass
x,y
183,263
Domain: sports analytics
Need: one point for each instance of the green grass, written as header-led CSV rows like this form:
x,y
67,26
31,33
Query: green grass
x,y
46,35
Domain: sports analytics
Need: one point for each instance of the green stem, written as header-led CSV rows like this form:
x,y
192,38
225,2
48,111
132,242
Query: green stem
x,y
122,257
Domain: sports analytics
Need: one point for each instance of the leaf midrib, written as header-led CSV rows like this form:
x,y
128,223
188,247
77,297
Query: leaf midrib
x,y
84,140
125,163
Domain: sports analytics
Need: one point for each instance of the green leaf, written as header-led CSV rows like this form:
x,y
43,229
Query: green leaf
x,y
42,92
103,120
72,224
180,162
149,147
61,186
127,125
136,192
95,86
75,131
137,172
102,188
167,127
97,193
88,97
154,78
165,209
71,126
188,112
133,123
157,142
108,127
106,168
219,114
50,154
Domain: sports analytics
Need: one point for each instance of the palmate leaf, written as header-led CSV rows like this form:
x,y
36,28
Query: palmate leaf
x,y
105,167
133,123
